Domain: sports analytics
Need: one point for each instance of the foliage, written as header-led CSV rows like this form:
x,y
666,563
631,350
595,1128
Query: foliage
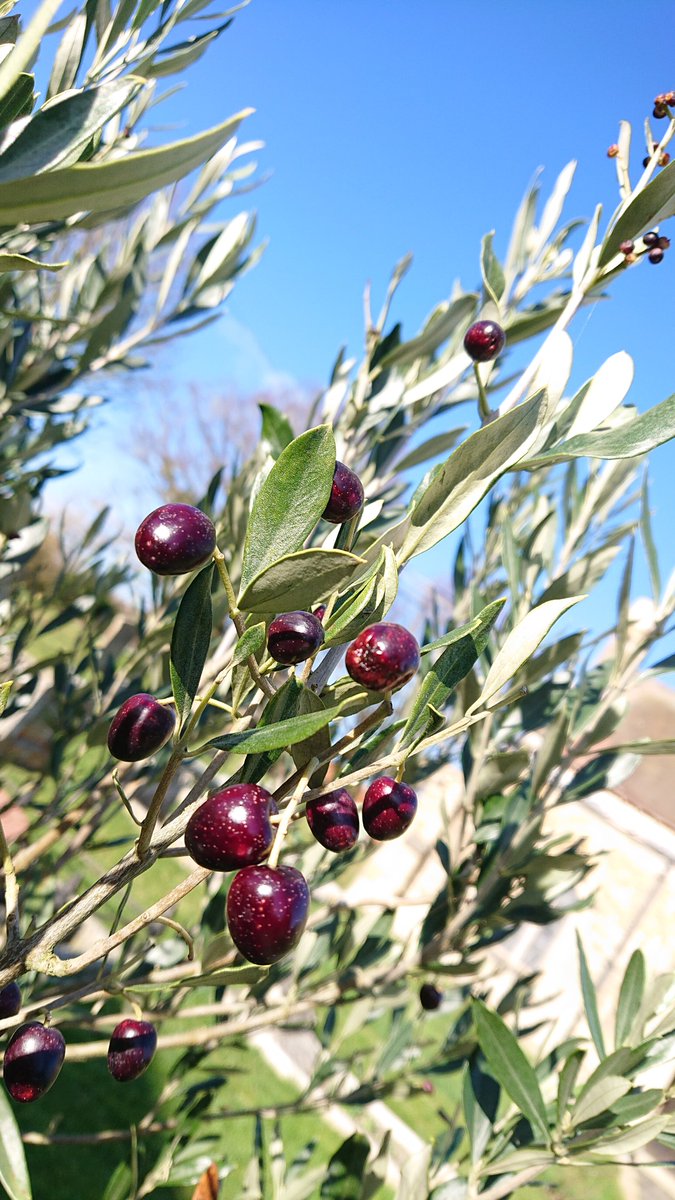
x,y
522,705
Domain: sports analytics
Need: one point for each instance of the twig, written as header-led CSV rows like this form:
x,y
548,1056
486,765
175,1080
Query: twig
x,y
11,892
264,684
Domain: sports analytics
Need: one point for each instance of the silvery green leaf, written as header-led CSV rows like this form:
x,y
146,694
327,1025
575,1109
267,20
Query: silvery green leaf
x,y
290,501
604,393
491,270
521,644
601,1096
462,480
510,1067
14,1175
298,580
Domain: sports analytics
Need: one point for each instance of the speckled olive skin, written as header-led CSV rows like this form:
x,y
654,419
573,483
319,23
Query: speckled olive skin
x,y
267,911
388,809
383,657
346,496
175,539
484,340
131,1048
33,1060
334,820
10,1000
430,997
140,728
294,636
232,828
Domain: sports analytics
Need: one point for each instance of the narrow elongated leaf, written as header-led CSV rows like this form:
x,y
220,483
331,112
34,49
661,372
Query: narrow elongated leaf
x,y
298,580
606,391
277,736
18,102
462,480
457,659
250,642
24,50
282,707
655,203
434,446
113,184
480,1098
510,1067
630,997
13,1170
590,1002
491,270
21,262
5,689
648,542
371,603
345,1170
58,133
599,1098
276,429
414,1183
438,329
630,440
521,644
628,1140
190,641
520,1160
290,502
568,1078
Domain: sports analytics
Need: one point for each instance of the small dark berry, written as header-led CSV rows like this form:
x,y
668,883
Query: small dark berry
x,y
383,657
388,809
663,243
10,1000
627,247
428,1087
612,150
33,1060
430,997
175,539
346,496
334,820
292,637
132,1046
656,255
140,728
484,340
646,161
664,159
232,828
267,911
659,111
320,612
651,238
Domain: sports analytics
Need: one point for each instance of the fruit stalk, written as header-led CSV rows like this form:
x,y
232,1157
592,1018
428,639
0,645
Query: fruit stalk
x,y
11,892
287,815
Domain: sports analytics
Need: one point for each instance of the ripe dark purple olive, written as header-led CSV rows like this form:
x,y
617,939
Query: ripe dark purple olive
x,y
294,636
10,1000
33,1059
131,1048
656,255
383,657
267,911
140,728
346,496
430,997
232,828
334,820
484,340
175,539
651,238
388,809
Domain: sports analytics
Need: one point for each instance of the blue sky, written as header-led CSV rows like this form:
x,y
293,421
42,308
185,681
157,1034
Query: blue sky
x,y
394,127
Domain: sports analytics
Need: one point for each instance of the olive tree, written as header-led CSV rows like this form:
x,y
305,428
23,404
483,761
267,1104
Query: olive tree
x,y
197,943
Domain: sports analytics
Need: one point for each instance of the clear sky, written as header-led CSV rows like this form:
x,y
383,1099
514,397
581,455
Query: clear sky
x,y
394,127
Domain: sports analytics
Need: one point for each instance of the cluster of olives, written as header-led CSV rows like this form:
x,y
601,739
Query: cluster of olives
x,y
233,830
35,1052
